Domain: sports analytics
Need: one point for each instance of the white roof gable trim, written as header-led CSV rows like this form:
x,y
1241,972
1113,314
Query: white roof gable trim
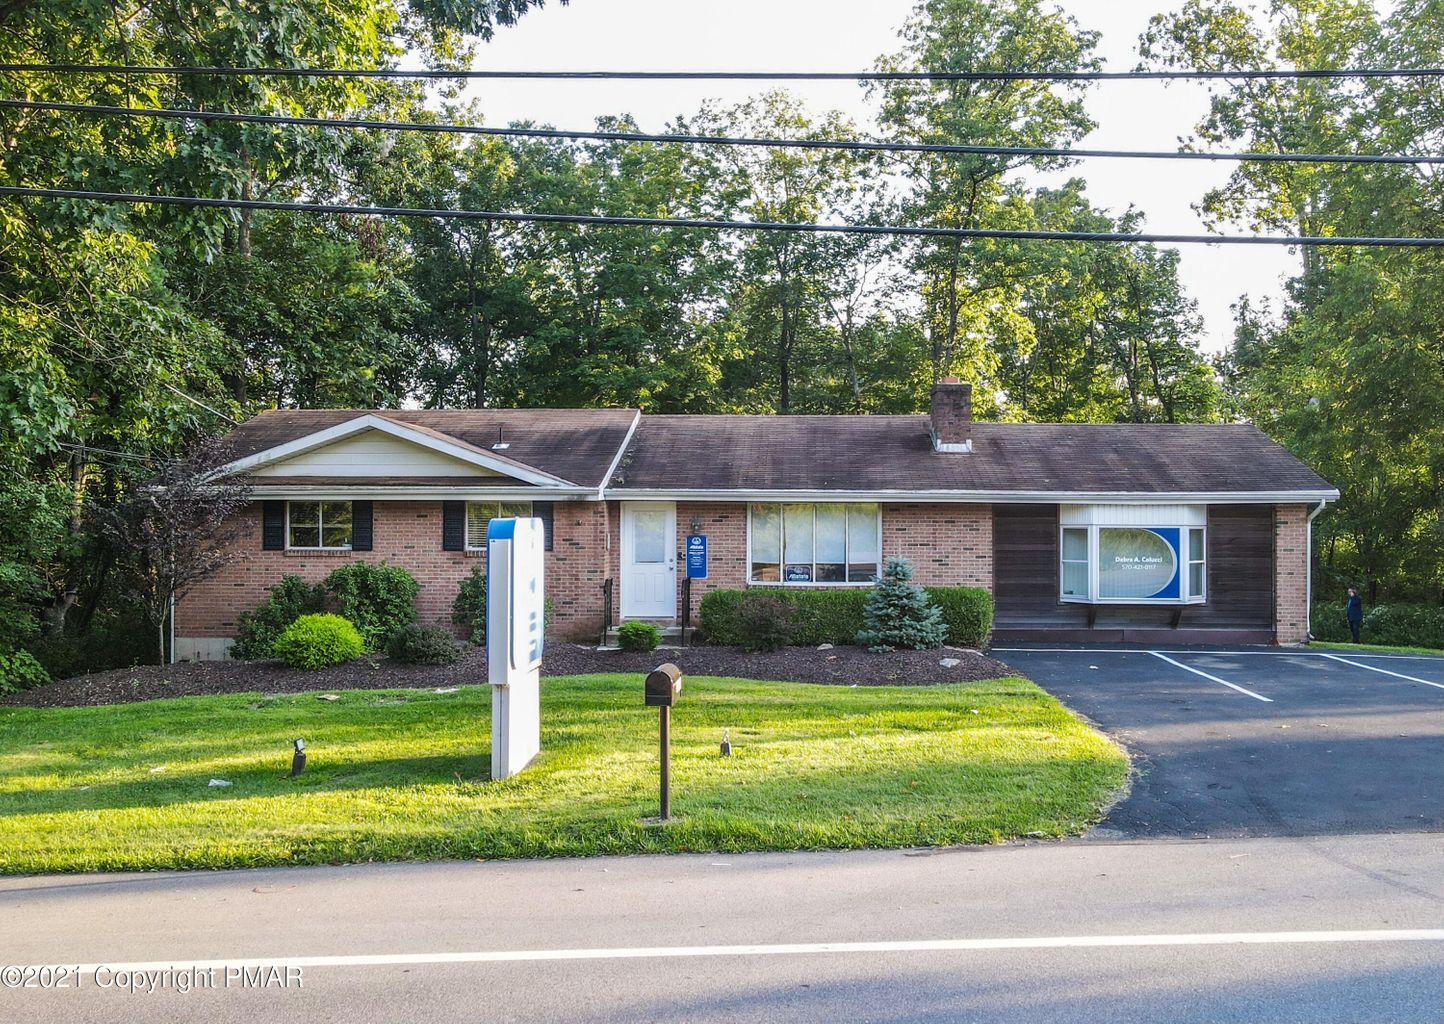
x,y
464,453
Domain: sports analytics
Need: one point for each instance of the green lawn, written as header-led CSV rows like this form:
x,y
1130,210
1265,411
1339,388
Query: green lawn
x,y
1376,648
404,774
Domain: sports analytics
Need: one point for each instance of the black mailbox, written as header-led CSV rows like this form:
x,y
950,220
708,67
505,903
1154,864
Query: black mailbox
x,y
663,685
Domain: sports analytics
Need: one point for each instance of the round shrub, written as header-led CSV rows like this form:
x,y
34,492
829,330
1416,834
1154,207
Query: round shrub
x,y
377,599
639,637
423,645
20,671
287,601
763,622
318,641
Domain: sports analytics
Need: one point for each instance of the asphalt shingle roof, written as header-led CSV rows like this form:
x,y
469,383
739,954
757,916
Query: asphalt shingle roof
x,y
841,453
888,453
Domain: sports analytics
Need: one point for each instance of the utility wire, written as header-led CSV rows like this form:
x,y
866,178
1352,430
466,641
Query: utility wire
x,y
741,76
843,145
917,231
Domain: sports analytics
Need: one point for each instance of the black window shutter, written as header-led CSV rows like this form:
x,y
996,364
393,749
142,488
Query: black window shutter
x,y
543,511
361,528
453,526
273,526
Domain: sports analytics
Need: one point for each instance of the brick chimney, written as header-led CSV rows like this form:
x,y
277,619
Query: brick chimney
x,y
952,416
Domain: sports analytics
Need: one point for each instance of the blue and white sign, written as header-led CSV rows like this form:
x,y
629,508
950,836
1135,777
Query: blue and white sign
x,y
1139,563
515,624
697,556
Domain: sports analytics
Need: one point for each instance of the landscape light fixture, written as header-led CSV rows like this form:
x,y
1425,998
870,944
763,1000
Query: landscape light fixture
x,y
298,759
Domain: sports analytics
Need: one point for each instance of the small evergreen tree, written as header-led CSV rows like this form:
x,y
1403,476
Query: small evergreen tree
x,y
899,615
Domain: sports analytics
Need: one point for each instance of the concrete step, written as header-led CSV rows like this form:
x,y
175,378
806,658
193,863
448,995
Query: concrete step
x,y
671,634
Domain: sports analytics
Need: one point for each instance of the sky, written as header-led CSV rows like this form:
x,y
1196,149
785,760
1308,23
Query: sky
x,y
848,35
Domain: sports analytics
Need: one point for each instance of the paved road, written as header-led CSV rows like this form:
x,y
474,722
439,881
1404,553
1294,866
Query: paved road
x,y
1261,741
1167,893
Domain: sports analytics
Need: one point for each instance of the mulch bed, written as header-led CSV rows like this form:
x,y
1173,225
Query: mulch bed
x,y
841,666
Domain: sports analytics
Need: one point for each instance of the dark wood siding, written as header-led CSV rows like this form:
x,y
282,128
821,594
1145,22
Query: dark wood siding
x,y
1240,583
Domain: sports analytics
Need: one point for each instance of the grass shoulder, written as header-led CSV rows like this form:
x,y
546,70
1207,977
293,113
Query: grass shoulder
x,y
403,774
1374,648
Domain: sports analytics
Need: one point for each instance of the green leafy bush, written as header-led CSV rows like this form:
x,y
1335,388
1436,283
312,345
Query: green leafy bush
x,y
469,608
638,637
318,641
287,601
764,622
967,612
423,645
835,615
20,671
899,614
377,599
1394,625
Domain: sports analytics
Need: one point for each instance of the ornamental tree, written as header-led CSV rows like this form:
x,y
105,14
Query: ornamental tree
x,y
898,614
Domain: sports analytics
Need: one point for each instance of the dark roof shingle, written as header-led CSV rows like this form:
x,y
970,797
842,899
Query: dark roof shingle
x,y
893,453
575,445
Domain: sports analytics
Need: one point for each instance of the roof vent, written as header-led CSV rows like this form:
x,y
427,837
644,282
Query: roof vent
x,y
502,444
952,416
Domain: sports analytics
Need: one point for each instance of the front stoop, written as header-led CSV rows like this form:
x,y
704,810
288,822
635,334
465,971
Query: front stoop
x,y
671,635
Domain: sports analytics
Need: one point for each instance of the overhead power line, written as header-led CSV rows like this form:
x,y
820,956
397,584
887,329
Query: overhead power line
x,y
906,231
740,76
842,145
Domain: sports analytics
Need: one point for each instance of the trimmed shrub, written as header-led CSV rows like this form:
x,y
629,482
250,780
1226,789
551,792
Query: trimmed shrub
x,y
287,601
469,608
764,622
899,614
377,599
318,641
967,612
19,670
835,616
423,645
638,637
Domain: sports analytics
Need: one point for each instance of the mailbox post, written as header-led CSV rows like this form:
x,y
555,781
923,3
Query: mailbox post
x,y
660,690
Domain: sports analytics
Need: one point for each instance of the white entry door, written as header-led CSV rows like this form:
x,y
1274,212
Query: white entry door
x,y
649,560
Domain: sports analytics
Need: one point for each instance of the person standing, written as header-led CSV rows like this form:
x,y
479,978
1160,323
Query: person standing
x,y
1354,609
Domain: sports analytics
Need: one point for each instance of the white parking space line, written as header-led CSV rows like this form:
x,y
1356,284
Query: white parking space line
x,y
1383,671
1281,652
786,949
1216,679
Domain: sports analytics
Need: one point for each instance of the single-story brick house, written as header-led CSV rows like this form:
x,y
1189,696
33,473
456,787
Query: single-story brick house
x,y
1149,532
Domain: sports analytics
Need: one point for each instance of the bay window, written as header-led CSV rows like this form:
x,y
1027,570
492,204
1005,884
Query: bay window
x,y
1121,555
318,525
480,513
814,543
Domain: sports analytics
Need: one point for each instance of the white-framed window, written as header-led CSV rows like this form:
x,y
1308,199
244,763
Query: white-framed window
x,y
479,513
1126,564
318,525
811,544
1197,581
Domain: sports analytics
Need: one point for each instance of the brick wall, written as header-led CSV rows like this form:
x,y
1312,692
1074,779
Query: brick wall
x,y
948,545
1291,568
408,534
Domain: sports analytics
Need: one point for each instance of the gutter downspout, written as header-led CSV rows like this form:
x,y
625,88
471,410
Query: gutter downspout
x,y
1309,572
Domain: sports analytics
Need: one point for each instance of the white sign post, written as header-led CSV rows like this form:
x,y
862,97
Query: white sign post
x,y
515,621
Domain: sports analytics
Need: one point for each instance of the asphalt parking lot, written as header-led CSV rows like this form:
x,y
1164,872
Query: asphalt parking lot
x,y
1260,741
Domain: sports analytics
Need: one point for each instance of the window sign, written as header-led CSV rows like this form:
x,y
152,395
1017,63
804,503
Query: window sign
x,y
1131,564
1138,564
